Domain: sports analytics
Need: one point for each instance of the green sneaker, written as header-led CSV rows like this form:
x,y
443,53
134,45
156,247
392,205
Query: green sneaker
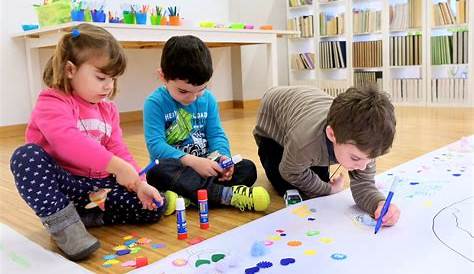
x,y
171,202
251,198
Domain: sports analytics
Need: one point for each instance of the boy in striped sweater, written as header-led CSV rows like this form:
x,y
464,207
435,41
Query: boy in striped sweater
x,y
301,131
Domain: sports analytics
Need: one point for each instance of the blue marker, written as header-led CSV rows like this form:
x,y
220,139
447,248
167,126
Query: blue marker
x,y
145,170
181,219
227,163
386,205
148,167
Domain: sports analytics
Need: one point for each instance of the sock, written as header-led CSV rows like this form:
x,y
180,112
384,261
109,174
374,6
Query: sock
x,y
226,196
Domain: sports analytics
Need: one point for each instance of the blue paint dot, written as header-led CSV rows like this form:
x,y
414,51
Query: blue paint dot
x,y
155,246
457,174
283,234
287,261
311,219
264,264
414,183
390,174
338,256
129,242
109,257
252,270
122,252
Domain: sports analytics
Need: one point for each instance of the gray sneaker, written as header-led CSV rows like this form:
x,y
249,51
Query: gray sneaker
x,y
69,233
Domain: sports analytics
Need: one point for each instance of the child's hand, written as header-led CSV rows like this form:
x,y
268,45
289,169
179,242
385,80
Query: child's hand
x,y
125,173
392,215
337,184
226,175
205,167
146,193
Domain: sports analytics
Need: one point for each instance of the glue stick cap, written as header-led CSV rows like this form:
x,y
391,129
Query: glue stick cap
x,y
180,203
202,194
236,158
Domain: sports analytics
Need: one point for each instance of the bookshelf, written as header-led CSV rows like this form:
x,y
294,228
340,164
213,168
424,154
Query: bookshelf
x,y
419,51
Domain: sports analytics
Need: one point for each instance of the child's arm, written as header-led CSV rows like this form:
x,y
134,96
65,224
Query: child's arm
x,y
127,176
365,193
295,169
216,138
155,135
205,167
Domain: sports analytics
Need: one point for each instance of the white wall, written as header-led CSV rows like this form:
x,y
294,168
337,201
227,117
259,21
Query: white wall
x,y
140,79
260,12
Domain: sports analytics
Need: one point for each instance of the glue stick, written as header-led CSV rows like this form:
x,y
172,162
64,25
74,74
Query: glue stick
x,y
203,209
230,161
181,219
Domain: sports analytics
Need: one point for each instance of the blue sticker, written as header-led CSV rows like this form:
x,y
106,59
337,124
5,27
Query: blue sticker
x,y
338,256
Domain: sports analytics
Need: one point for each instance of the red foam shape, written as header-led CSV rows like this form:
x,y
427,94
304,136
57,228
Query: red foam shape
x,y
141,261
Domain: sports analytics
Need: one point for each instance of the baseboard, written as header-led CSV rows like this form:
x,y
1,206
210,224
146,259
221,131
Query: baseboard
x,y
226,105
129,116
247,103
12,131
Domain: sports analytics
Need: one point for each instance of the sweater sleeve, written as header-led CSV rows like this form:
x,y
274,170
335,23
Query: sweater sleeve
x,y
365,193
216,137
155,134
295,169
55,119
115,143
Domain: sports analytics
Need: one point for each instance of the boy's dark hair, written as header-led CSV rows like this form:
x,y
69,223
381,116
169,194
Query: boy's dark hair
x,y
186,58
365,118
90,41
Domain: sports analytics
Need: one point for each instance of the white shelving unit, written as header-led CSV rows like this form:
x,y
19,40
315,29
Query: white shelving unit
x,y
412,76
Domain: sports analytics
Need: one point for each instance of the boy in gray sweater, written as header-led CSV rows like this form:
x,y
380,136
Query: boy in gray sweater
x,y
301,131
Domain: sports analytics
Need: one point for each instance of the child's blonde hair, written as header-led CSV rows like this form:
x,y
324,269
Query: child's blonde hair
x,y
84,42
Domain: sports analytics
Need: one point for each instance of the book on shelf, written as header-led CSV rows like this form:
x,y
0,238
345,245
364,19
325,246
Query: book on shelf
x,y
332,54
366,20
406,15
367,54
442,14
333,87
299,3
405,50
331,24
449,90
450,49
461,12
303,61
368,78
303,24
406,90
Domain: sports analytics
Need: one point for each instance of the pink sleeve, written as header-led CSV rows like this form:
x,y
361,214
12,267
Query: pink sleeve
x,y
116,144
54,116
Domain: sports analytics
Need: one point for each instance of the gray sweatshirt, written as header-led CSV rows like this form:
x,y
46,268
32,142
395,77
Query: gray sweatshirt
x,y
295,117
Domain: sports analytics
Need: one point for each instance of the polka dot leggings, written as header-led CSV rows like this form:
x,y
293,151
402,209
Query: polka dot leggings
x,y
47,189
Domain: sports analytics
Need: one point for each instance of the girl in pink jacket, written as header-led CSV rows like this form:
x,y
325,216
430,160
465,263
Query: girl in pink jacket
x,y
75,170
